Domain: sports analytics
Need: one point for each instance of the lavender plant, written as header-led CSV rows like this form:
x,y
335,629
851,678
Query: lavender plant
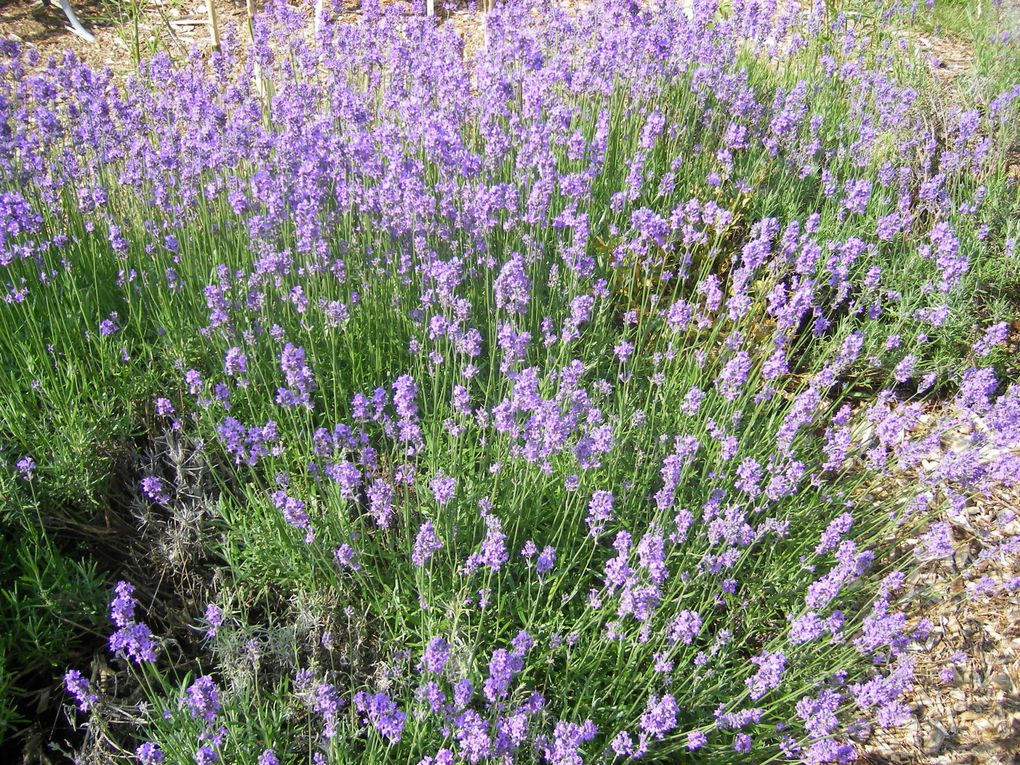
x,y
555,401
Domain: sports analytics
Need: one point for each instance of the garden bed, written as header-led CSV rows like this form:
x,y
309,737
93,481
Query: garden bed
x,y
617,382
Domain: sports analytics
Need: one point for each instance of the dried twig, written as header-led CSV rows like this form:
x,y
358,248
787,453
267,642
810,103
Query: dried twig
x,y
170,28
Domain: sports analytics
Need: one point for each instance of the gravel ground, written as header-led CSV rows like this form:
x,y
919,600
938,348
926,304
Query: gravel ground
x,y
967,698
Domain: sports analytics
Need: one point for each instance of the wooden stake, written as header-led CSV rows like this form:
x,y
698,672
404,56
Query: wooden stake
x,y
260,85
214,23
486,7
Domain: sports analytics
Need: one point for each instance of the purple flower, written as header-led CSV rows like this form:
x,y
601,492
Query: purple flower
x,y
994,335
512,287
806,628
976,389
737,720
692,401
214,617
734,375
696,739
326,703
293,512
546,560
617,570
502,668
26,466
109,326
380,502
600,510
472,736
462,693
493,552
136,641
742,743
153,488
833,533
268,757
443,488
905,369
951,263
249,445
347,557
299,378
770,671
567,740
684,628
659,717
206,755
623,351
437,653
347,476
133,638
432,694
405,391
819,713
149,754
117,240
78,686
426,543
235,363
938,541
203,699
442,757
383,713
749,475
858,192
651,552
622,744
522,642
